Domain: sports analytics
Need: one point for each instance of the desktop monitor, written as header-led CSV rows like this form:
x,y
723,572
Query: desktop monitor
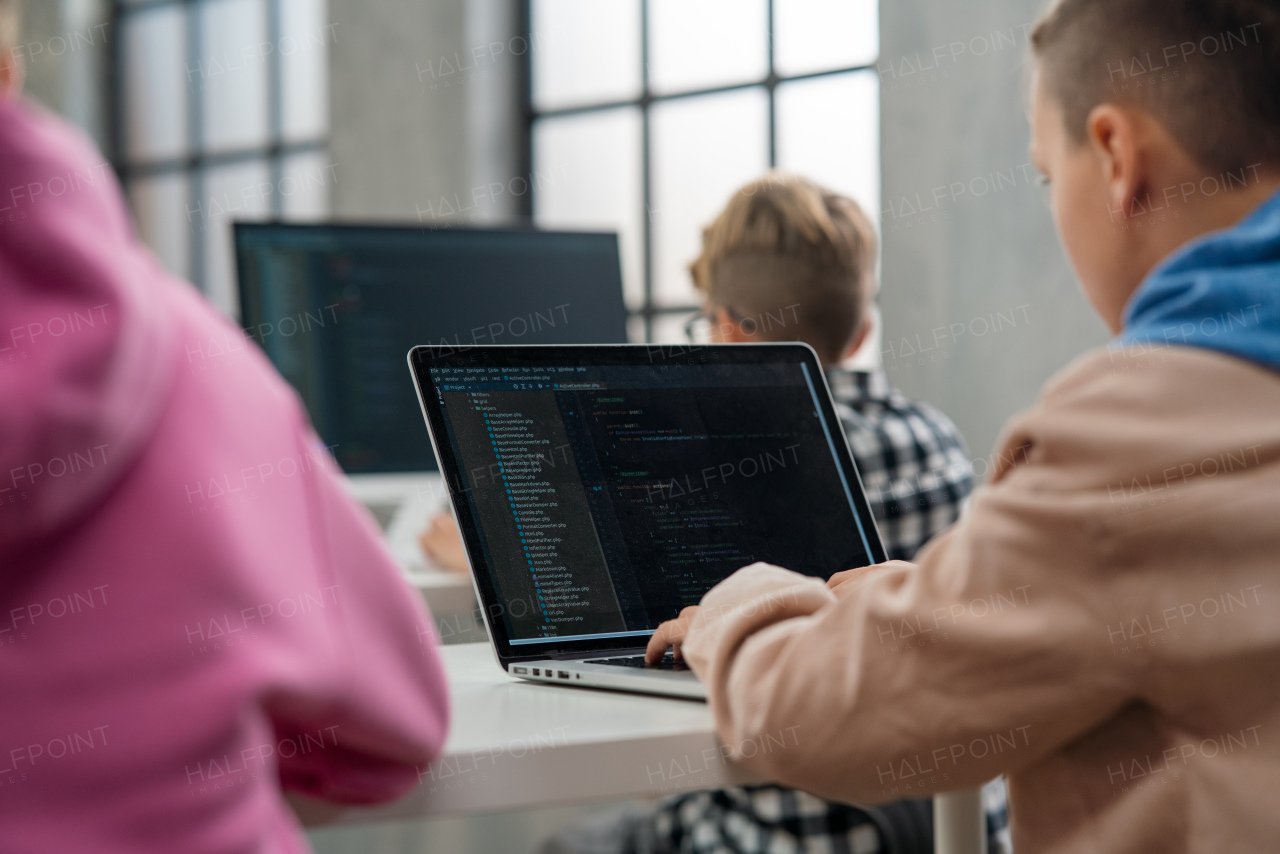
x,y
337,307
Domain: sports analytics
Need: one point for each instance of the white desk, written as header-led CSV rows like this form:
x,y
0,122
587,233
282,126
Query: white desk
x,y
516,745
452,602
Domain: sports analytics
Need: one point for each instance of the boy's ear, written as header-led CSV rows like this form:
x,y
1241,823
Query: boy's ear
x,y
1113,134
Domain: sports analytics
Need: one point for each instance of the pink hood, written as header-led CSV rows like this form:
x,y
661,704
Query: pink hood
x,y
85,353
194,614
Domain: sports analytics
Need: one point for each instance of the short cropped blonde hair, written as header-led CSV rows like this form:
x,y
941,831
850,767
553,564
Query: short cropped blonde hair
x,y
789,249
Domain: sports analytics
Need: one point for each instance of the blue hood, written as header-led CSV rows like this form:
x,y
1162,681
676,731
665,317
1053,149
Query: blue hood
x,y
1221,292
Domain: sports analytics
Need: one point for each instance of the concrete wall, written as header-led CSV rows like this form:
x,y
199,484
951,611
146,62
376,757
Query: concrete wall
x,y
425,109
980,305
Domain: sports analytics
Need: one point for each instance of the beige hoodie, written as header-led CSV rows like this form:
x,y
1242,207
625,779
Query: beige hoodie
x,y
1103,627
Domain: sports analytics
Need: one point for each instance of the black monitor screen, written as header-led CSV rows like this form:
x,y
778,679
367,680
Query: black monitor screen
x,y
336,308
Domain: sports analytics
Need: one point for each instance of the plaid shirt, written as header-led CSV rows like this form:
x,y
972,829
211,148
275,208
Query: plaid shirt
x,y
916,472
914,463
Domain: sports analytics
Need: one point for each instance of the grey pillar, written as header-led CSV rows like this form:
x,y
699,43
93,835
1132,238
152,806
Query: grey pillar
x,y
425,110
980,304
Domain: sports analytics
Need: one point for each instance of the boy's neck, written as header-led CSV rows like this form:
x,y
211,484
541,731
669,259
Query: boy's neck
x,y
1172,222
1203,213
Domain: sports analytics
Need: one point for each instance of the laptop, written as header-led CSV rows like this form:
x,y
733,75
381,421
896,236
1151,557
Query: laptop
x,y
601,489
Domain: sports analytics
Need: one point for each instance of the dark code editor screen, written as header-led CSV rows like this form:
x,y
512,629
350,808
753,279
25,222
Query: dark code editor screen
x,y
608,498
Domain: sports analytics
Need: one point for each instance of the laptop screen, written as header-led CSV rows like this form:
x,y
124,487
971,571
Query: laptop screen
x,y
604,495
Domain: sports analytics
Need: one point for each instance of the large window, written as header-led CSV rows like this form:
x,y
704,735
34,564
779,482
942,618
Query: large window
x,y
645,115
221,115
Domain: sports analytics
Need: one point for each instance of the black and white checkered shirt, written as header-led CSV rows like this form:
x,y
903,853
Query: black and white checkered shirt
x,y
914,463
916,472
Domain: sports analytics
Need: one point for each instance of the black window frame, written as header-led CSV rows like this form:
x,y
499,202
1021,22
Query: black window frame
x,y
198,161
648,311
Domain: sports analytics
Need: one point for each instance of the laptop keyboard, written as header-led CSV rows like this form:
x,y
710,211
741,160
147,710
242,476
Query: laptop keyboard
x,y
667,662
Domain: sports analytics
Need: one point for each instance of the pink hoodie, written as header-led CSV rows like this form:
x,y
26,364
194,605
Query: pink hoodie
x,y
193,612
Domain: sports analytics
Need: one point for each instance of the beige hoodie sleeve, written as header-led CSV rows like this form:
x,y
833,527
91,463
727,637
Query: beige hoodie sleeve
x,y
997,650
914,679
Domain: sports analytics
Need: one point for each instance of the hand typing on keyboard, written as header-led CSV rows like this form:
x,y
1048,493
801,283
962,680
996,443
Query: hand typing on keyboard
x,y
670,634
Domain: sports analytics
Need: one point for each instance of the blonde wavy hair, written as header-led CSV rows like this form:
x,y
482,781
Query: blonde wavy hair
x,y
796,258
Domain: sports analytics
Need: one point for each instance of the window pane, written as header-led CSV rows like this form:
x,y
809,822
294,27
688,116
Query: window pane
x,y
818,35
829,130
161,206
305,184
587,175
303,47
585,51
155,83
703,149
238,192
233,73
703,43
635,329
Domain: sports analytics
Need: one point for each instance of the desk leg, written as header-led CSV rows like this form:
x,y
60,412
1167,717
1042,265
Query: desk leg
x,y
959,823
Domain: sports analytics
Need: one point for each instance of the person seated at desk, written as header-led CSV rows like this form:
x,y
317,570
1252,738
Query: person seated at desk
x,y
191,640
787,260
1130,696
